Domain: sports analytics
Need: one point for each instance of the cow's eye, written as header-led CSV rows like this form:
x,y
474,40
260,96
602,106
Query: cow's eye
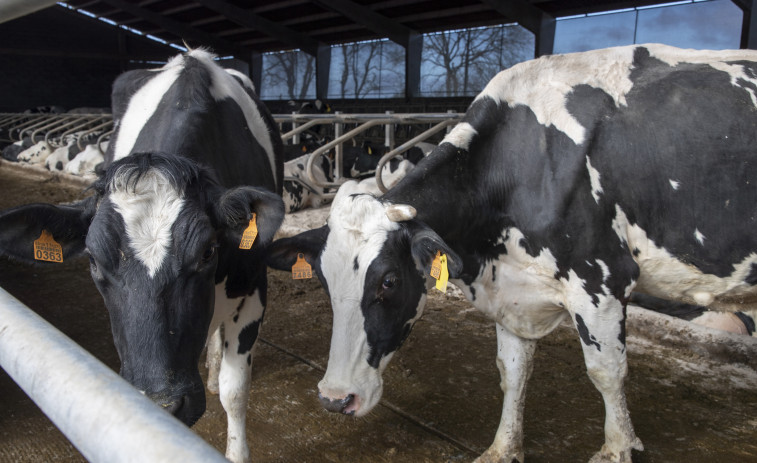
x,y
210,252
389,282
92,262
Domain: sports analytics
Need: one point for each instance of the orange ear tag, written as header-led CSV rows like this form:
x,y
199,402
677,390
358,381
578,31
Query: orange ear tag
x,y
301,270
439,271
47,249
249,235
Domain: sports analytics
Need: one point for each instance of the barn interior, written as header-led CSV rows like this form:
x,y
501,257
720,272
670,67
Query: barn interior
x,y
693,404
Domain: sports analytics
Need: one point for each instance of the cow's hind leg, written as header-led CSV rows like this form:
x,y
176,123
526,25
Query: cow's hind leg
x,y
515,362
240,334
602,332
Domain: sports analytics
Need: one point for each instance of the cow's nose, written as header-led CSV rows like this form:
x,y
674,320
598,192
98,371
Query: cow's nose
x,y
338,405
173,407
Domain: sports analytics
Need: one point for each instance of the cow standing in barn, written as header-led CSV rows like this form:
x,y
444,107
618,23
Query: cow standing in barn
x,y
571,181
194,165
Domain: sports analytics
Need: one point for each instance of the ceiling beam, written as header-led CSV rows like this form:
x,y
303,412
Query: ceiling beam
x,y
521,12
380,24
256,22
219,45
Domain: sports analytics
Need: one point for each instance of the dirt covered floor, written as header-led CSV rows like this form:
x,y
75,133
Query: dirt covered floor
x,y
689,402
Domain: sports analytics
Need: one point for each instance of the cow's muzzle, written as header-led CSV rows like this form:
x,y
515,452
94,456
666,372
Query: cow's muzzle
x,y
188,408
345,405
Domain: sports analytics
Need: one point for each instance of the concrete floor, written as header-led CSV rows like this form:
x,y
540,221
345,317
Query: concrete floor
x,y
692,393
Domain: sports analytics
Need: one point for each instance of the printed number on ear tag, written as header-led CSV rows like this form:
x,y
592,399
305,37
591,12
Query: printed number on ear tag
x,y
249,235
47,249
301,270
439,271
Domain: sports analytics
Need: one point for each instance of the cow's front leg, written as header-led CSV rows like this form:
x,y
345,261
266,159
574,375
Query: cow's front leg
x,y
602,333
515,362
213,359
240,334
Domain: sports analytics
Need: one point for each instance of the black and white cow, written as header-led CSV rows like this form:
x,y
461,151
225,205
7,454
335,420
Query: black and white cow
x,y
572,180
163,231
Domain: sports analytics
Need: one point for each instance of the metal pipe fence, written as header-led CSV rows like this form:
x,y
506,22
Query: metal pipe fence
x,y
103,416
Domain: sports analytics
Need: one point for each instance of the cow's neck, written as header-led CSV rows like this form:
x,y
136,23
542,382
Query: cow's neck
x,y
439,188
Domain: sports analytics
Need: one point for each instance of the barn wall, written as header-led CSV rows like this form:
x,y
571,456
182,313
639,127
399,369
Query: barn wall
x,y
59,57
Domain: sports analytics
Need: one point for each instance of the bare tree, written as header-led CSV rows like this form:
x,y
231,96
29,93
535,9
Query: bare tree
x,y
360,69
291,74
459,63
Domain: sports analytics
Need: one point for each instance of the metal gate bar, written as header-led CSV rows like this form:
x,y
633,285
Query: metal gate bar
x,y
100,413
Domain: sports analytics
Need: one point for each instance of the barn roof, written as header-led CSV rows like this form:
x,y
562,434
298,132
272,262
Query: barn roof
x,y
241,28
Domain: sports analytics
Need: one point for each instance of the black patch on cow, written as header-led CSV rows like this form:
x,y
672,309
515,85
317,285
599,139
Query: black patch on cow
x,y
583,331
622,331
59,165
226,344
249,359
494,273
355,265
752,277
248,336
636,252
747,321
392,290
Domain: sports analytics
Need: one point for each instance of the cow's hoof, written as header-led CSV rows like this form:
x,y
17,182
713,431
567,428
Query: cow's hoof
x,y
493,455
624,456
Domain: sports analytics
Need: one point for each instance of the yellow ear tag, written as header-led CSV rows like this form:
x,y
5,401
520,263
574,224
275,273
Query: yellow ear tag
x,y
249,235
301,270
441,282
436,265
46,248
370,151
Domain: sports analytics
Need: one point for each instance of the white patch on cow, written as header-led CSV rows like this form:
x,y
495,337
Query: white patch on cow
x,y
143,104
525,298
461,135
596,188
358,229
224,86
245,80
37,154
664,276
605,270
699,236
85,162
149,210
608,70
676,185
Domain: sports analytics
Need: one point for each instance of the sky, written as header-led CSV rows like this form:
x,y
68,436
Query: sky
x,y
703,25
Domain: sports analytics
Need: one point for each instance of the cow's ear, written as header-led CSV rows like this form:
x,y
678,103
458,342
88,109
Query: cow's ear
x,y
282,254
68,225
424,245
234,207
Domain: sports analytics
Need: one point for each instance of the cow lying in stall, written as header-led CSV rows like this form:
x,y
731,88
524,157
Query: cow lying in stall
x,y
571,181
163,231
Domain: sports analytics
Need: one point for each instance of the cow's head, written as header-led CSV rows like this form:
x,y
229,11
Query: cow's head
x,y
156,231
373,258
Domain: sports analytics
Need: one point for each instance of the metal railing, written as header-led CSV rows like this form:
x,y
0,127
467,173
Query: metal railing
x,y
100,413
14,127
304,122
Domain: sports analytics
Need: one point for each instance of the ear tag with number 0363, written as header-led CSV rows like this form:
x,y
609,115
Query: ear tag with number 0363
x,y
249,235
46,248
439,271
301,270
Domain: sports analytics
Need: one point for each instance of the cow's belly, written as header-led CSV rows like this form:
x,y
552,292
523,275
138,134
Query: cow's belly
x,y
663,275
519,291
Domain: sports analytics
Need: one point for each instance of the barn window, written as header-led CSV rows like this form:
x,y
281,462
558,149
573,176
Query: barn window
x,y
372,69
288,75
461,62
710,24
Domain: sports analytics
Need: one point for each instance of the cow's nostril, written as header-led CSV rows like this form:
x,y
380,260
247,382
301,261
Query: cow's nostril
x,y
173,407
337,405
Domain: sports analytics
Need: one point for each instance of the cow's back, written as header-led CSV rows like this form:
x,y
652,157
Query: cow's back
x,y
193,108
